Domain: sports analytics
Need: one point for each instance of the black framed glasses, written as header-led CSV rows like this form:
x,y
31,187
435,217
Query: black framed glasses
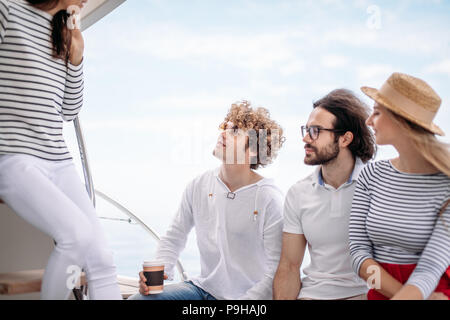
x,y
314,131
235,131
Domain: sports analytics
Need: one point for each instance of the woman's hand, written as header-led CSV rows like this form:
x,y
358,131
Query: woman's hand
x,y
437,296
77,46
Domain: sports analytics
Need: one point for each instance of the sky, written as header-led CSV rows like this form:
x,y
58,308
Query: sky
x,y
160,76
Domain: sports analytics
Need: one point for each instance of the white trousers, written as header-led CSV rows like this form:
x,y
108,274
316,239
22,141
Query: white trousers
x,y
50,196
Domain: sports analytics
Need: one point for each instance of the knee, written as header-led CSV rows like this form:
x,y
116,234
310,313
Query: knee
x,y
100,257
148,297
76,242
136,296
82,236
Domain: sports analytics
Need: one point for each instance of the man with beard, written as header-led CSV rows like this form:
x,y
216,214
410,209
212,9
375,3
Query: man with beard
x,y
317,208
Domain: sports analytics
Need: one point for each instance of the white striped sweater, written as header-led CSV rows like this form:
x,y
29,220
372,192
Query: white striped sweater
x,y
394,219
37,91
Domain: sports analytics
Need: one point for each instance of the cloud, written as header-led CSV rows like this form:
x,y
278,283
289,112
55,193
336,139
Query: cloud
x,y
334,61
373,74
172,41
401,38
151,123
441,67
258,51
293,67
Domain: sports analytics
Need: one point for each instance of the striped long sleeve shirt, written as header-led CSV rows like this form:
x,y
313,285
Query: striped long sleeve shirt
x,y
395,219
37,91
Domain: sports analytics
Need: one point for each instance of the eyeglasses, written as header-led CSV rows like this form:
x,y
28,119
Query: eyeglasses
x,y
235,131
314,131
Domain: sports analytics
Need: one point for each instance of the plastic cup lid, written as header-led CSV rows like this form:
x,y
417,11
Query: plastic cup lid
x,y
153,263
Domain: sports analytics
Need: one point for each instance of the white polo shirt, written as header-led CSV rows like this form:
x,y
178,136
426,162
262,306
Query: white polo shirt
x,y
321,213
239,251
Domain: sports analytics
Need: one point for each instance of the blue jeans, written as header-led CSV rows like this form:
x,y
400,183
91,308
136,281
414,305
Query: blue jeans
x,y
179,291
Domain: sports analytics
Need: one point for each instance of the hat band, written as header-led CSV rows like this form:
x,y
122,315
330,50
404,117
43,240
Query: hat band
x,y
406,104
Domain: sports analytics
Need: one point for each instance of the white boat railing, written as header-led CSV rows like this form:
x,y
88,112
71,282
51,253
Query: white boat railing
x,y
84,160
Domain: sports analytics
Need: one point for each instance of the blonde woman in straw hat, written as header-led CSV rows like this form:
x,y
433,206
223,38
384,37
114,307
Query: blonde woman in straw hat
x,y
399,228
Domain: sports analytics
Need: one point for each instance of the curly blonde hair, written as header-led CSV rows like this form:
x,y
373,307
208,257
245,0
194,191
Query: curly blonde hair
x,y
269,134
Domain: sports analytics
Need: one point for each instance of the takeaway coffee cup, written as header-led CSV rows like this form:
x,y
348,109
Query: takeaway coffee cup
x,y
154,273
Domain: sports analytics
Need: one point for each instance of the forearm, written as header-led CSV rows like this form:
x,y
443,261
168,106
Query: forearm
x,y
168,251
408,292
73,92
382,281
286,283
76,60
174,241
76,48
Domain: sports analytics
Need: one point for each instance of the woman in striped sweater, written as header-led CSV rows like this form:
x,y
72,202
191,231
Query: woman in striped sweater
x,y
399,225
41,84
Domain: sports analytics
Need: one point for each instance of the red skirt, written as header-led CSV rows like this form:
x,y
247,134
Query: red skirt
x,y
401,272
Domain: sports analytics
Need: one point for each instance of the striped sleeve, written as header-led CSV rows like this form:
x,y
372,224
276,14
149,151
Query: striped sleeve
x,y
435,258
4,14
73,92
359,242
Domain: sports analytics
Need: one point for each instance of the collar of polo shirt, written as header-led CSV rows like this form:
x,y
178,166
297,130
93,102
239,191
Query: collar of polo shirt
x,y
318,179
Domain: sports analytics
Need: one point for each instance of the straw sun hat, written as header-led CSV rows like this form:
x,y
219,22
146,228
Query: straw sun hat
x,y
410,98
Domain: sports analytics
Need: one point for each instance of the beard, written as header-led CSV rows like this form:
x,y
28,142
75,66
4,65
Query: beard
x,y
324,156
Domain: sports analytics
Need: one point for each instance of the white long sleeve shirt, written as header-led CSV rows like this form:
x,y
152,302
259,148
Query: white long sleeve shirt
x,y
239,250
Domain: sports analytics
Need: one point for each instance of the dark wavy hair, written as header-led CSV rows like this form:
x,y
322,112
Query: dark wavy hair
x,y
61,38
351,114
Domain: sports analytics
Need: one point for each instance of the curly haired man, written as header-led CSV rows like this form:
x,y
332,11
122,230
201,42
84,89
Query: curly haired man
x,y
237,215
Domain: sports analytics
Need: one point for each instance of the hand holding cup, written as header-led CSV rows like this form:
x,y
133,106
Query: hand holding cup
x,y
143,288
151,280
